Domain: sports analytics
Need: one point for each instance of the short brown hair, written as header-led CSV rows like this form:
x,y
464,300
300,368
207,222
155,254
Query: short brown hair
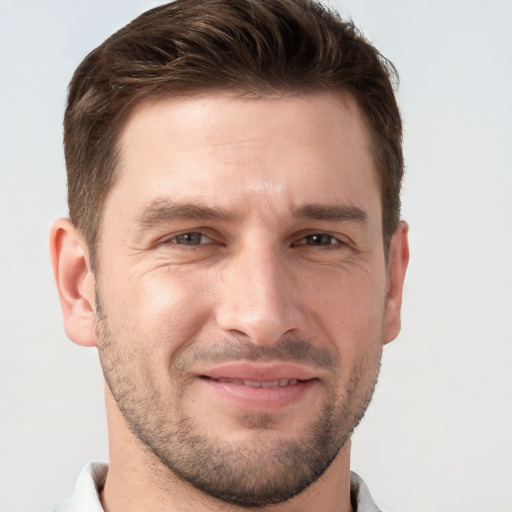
x,y
243,46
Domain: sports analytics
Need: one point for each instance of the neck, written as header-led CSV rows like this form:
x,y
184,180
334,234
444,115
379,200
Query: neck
x,y
137,480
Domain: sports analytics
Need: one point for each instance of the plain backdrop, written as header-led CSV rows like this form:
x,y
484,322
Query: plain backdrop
x,y
438,435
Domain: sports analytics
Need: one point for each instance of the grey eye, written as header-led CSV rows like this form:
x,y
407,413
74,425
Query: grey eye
x,y
190,239
320,239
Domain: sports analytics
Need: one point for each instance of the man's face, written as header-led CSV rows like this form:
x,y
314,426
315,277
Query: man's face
x,y
241,287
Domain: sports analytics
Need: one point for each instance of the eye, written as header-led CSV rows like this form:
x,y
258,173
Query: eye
x,y
192,238
320,239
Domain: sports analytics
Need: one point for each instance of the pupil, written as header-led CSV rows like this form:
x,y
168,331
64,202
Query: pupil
x,y
190,238
319,239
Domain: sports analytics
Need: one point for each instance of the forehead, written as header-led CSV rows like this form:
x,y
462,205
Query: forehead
x,y
232,152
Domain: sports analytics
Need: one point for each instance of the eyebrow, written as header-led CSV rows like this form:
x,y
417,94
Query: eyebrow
x,y
160,211
331,213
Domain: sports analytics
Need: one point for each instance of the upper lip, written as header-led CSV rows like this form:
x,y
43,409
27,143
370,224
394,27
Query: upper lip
x,y
259,372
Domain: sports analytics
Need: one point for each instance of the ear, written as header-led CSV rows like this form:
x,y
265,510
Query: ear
x,y
75,282
398,260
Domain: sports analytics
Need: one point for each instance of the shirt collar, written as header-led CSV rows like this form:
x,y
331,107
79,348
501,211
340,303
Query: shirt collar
x,y
86,497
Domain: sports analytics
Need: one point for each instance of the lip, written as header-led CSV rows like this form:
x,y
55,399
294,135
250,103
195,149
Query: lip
x,y
259,372
226,383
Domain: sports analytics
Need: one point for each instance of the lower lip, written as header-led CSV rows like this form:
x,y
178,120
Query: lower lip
x,y
253,398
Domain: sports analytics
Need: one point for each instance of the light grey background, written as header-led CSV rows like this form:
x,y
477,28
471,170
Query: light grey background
x,y
439,433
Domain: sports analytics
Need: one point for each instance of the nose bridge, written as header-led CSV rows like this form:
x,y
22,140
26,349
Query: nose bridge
x,y
257,298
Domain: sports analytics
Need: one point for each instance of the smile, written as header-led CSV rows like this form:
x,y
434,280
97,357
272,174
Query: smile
x,y
259,384
259,393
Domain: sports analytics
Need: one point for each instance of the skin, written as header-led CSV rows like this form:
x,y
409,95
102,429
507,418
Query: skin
x,y
247,231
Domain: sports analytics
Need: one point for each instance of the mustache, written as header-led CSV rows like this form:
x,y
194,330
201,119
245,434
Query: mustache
x,y
288,349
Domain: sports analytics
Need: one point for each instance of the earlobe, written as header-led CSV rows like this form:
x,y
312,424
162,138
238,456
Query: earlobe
x,y
398,260
75,282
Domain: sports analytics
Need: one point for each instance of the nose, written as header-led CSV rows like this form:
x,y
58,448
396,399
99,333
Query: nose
x,y
259,297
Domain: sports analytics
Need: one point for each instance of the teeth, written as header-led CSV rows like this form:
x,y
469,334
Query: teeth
x,y
252,384
232,381
259,384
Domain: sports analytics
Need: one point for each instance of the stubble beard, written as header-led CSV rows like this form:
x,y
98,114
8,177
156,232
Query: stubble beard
x,y
265,469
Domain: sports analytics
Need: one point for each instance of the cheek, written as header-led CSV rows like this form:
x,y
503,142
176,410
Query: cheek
x,y
162,309
350,307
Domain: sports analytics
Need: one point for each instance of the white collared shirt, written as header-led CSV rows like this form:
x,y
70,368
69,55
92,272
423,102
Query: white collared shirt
x,y
92,479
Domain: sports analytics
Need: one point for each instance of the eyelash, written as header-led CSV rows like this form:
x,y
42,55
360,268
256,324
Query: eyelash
x,y
189,234
315,237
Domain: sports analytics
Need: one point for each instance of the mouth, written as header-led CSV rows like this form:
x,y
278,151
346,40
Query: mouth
x,y
267,387
257,384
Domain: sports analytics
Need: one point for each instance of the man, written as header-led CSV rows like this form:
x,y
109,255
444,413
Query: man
x,y
234,252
